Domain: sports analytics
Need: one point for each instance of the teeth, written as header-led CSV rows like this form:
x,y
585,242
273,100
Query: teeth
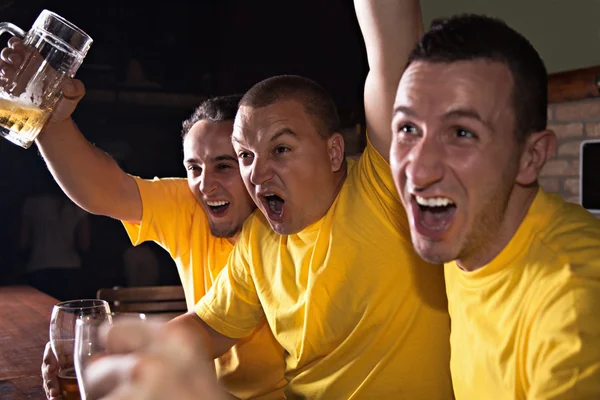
x,y
216,203
433,201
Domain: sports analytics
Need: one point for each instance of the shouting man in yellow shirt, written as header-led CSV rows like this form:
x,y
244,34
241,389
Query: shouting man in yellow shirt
x,y
522,266
327,260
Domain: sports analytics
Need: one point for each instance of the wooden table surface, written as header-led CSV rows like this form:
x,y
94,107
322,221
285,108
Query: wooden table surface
x,y
24,322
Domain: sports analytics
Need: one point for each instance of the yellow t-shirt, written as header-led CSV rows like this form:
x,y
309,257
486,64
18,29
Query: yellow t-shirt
x,y
172,217
527,325
359,314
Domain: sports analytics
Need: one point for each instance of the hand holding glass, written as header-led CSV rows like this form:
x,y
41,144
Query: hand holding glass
x,y
62,338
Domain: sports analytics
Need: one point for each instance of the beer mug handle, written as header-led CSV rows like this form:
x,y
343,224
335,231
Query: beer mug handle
x,y
12,29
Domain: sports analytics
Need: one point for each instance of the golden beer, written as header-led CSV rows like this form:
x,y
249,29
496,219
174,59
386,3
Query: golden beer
x,y
68,385
20,122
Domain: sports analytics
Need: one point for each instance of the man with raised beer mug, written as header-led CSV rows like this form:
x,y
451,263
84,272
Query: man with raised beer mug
x,y
210,206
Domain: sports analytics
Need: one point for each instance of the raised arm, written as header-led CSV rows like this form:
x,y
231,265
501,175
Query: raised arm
x,y
90,177
390,29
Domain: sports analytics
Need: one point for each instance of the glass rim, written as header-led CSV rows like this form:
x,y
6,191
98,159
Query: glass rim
x,y
90,303
66,22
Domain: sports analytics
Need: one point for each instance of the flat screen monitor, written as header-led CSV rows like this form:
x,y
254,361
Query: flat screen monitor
x,y
590,175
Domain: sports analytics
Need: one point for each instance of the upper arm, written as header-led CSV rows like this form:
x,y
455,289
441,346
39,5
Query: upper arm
x,y
390,29
130,207
565,347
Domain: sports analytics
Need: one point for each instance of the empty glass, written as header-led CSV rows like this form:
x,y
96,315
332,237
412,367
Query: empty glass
x,y
56,49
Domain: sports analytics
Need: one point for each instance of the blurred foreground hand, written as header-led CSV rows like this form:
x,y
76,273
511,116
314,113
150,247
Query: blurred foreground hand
x,y
151,360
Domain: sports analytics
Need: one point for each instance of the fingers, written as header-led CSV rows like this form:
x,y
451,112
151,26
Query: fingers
x,y
73,89
16,43
50,373
12,56
107,373
11,59
72,92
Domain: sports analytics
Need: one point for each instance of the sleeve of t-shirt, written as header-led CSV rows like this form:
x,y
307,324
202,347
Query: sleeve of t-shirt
x,y
374,175
231,306
564,361
167,208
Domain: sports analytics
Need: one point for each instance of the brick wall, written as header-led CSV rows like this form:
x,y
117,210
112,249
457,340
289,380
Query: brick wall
x,y
573,122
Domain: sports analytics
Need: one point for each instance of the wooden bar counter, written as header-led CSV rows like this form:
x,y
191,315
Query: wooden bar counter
x,y
24,322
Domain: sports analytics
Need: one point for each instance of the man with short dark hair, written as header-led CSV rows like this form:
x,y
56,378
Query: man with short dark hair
x,y
522,266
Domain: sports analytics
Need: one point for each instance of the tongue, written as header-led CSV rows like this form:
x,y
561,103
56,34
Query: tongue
x,y
437,217
276,205
218,209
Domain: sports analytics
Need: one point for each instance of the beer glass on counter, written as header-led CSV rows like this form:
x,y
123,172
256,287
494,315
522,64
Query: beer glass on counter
x,y
62,338
89,347
55,50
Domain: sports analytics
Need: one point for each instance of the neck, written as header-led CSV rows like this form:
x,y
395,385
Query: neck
x,y
233,239
339,179
518,205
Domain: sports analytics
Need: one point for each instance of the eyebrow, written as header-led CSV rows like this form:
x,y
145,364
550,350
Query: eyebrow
x,y
224,157
456,113
284,131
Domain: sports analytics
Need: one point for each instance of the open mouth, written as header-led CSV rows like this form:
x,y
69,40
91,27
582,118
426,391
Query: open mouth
x,y
218,208
433,215
274,206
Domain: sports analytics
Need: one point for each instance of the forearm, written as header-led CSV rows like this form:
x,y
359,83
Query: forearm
x,y
390,29
214,343
90,177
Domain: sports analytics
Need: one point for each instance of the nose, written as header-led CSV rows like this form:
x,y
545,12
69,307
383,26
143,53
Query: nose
x,y
425,165
261,171
208,183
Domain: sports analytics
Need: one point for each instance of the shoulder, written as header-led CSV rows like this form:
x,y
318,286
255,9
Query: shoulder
x,y
572,234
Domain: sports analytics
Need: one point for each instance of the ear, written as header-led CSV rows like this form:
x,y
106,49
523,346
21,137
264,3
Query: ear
x,y
335,147
538,148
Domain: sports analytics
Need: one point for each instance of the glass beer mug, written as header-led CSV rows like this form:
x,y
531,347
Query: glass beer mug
x,y
56,49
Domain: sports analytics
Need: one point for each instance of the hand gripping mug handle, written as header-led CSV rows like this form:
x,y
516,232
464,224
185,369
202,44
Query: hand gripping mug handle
x,y
12,29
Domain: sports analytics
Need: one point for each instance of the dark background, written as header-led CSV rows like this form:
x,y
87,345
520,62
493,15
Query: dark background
x,y
149,65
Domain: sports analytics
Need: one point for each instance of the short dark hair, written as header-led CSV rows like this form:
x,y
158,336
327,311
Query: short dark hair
x,y
216,109
471,37
315,99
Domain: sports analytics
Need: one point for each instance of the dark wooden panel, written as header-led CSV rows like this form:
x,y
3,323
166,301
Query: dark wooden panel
x,y
573,85
149,299
150,307
146,293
